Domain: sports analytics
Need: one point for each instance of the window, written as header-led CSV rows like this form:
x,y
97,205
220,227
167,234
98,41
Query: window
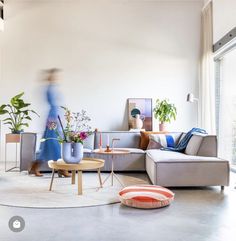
x,y
225,71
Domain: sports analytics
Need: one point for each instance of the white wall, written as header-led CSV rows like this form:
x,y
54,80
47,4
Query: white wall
x,y
224,17
109,51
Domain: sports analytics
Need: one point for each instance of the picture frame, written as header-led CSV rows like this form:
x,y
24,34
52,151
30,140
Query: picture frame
x,y
142,107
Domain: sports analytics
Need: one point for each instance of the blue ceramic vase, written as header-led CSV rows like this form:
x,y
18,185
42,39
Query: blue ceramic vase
x,y
72,153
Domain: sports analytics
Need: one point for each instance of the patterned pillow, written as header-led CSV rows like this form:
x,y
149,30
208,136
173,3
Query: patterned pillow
x,y
164,140
153,145
144,140
146,196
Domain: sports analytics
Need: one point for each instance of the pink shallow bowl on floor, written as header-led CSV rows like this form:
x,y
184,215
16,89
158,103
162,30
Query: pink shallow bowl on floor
x,y
146,196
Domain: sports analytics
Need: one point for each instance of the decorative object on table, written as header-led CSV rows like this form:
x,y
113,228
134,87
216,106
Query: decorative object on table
x,y
73,135
164,111
72,152
107,149
100,142
140,110
108,144
138,121
146,196
17,112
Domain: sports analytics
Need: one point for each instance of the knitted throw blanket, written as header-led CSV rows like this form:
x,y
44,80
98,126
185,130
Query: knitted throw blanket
x,y
181,146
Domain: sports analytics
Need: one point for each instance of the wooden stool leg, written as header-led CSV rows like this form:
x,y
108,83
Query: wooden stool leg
x,y
80,183
53,172
99,176
73,177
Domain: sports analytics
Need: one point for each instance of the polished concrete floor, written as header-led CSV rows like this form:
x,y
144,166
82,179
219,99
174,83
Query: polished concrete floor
x,y
197,214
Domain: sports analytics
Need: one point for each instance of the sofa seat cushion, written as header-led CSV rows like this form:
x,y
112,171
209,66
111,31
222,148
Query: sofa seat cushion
x,y
171,156
146,196
87,150
132,150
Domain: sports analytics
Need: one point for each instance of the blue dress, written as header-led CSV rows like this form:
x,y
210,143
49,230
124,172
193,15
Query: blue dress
x,y
50,149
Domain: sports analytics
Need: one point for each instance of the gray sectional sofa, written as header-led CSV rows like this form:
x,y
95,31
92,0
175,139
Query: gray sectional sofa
x,y
197,166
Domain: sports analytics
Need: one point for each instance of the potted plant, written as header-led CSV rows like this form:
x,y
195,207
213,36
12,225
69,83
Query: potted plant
x,y
18,113
164,111
73,135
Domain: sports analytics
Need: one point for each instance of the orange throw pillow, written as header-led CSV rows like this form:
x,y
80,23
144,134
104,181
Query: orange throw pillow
x,y
145,138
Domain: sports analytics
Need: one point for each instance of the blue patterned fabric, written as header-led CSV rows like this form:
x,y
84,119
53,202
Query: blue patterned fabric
x,y
170,141
50,149
165,140
181,146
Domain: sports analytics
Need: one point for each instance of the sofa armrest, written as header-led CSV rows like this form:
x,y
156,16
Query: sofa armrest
x,y
27,149
208,146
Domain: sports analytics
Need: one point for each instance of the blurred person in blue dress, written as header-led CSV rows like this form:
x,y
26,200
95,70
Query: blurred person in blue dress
x,y
50,149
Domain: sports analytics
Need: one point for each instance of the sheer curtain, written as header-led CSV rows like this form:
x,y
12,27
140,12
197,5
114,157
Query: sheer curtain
x,y
207,85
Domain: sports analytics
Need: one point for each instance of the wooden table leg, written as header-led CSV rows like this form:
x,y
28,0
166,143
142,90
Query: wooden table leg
x,y
99,176
80,183
53,172
73,177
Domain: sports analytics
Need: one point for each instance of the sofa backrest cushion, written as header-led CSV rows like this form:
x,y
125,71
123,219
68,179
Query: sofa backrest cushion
x,y
128,139
194,145
89,142
208,146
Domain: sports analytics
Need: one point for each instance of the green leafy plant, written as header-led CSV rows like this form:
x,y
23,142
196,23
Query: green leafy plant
x,y
164,111
18,113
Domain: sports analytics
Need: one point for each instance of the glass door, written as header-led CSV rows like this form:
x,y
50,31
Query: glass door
x,y
226,102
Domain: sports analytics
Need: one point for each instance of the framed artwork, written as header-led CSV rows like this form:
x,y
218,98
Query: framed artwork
x,y
142,107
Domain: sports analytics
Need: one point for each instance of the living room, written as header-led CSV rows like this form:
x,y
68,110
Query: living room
x,y
121,61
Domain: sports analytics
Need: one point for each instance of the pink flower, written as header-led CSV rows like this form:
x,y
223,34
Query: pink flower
x,y
83,135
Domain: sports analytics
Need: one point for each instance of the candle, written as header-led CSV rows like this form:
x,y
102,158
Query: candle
x,y
100,141
108,141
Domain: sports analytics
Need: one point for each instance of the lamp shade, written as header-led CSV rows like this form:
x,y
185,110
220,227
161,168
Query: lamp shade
x,y
190,97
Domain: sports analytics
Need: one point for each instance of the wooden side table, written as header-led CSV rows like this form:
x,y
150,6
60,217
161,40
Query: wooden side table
x,y
85,164
14,139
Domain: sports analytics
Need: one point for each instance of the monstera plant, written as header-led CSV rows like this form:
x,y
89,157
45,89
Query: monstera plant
x,y
17,112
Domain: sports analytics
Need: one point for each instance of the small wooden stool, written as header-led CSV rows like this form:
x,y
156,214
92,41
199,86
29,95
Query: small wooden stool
x,y
85,164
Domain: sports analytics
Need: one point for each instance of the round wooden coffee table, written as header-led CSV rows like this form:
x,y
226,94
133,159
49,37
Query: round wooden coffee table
x,y
85,164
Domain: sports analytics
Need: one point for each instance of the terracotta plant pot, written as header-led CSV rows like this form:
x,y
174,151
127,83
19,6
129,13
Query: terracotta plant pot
x,y
162,127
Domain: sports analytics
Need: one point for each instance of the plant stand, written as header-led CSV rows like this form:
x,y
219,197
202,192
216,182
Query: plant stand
x,y
12,139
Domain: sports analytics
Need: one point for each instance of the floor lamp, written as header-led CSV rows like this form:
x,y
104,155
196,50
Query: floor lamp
x,y
191,98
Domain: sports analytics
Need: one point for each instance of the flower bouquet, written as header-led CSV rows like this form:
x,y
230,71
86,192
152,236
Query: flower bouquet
x,y
72,137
